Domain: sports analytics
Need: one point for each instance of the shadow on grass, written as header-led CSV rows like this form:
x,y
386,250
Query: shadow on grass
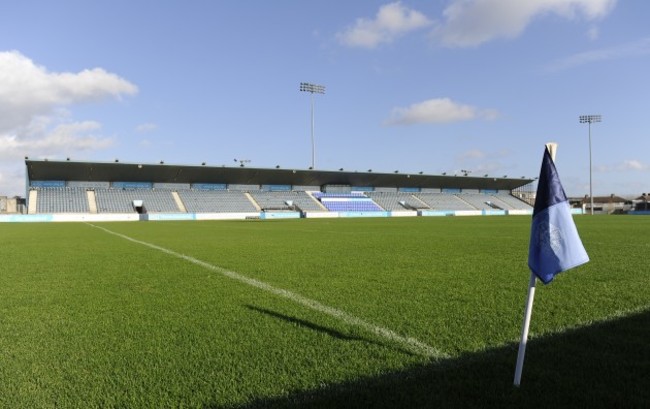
x,y
315,327
303,323
606,365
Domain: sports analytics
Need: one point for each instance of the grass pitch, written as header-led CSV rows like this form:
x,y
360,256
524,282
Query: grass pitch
x,y
91,319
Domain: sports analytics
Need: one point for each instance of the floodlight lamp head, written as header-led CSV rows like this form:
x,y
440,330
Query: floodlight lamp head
x,y
313,88
590,118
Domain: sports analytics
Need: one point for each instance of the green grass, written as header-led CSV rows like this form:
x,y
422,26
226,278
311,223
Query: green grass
x,y
89,319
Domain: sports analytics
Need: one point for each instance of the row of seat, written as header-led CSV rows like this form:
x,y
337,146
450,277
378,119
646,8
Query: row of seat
x,y
121,200
75,200
215,201
62,200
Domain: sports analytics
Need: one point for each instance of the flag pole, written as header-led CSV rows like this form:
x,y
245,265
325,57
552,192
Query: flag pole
x,y
524,329
552,148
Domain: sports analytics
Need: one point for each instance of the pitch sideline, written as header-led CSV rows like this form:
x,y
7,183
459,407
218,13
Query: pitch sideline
x,y
410,343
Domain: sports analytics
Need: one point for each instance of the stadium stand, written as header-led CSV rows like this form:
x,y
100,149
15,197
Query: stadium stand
x,y
121,201
216,201
479,201
444,201
115,191
510,202
62,200
166,200
278,201
354,202
395,201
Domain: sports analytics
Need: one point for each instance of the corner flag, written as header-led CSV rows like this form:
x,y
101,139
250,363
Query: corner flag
x,y
554,242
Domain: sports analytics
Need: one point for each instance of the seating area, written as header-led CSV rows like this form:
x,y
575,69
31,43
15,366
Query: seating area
x,y
510,202
396,201
355,202
216,201
121,200
278,201
62,200
181,199
479,201
444,201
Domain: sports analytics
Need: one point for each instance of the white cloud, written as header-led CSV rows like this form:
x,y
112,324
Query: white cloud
x,y
62,139
45,138
634,165
593,33
12,180
479,154
392,20
34,120
489,168
438,110
628,165
467,23
28,90
481,162
146,127
629,50
472,154
474,22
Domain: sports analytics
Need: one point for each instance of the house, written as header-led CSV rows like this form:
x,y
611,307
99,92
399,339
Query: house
x,y
606,204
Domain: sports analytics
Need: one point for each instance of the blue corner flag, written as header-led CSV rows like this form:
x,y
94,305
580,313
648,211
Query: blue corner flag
x,y
554,242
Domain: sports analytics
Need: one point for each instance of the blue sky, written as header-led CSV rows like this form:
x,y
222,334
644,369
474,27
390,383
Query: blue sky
x,y
434,86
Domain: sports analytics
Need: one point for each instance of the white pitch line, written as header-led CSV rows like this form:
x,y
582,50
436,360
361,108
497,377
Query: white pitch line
x,y
410,343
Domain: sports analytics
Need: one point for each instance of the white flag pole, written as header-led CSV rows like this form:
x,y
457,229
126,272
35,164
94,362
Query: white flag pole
x,y
524,329
552,148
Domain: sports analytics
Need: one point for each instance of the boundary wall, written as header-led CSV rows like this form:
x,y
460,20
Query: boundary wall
x,y
121,217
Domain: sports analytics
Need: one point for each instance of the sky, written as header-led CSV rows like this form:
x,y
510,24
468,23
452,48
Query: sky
x,y
433,86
